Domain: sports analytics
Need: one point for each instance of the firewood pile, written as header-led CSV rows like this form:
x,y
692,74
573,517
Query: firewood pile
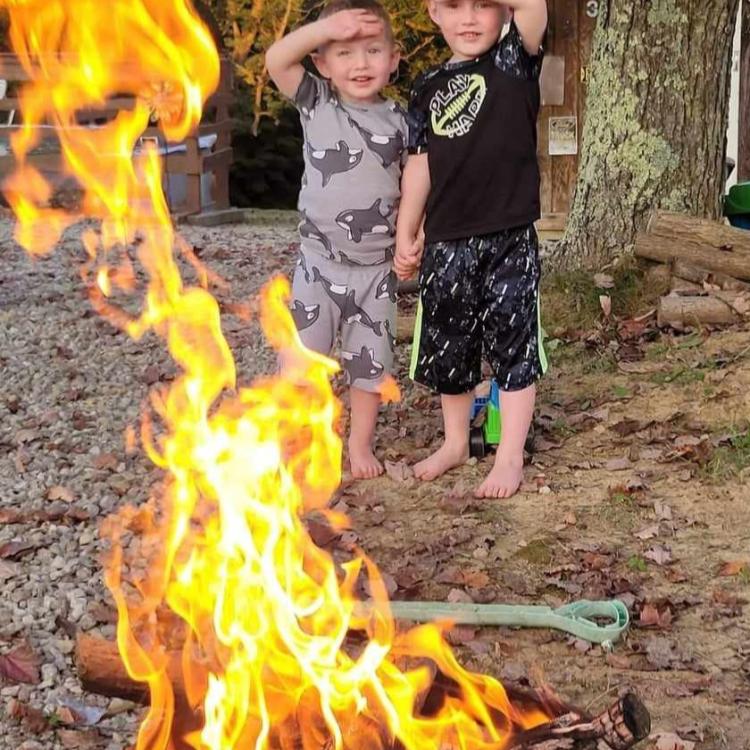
x,y
707,266
620,726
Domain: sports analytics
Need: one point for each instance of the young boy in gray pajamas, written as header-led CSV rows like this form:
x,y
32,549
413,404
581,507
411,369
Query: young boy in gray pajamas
x,y
354,143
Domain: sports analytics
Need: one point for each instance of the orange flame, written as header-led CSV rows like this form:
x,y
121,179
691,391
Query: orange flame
x,y
221,564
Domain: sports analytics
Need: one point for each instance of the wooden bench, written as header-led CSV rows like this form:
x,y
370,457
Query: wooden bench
x,y
202,160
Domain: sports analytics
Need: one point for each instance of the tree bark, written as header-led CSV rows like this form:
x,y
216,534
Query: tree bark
x,y
656,119
743,162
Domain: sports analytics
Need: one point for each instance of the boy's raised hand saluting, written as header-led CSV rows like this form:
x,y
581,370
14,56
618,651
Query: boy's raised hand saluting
x,y
352,24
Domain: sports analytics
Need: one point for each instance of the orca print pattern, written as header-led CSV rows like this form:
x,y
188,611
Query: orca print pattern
x,y
351,187
330,298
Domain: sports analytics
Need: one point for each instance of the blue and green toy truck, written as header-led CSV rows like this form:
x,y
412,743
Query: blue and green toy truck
x,y
737,205
488,434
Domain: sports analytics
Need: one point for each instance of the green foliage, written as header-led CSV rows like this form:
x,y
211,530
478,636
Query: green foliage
x,y
252,26
268,164
267,139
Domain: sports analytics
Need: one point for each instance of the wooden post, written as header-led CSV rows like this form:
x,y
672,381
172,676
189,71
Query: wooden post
x,y
743,161
194,170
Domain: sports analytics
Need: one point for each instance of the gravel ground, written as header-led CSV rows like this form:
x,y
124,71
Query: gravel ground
x,y
71,386
618,500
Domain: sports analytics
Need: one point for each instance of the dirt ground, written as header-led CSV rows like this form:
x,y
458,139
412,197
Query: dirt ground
x,y
638,488
633,492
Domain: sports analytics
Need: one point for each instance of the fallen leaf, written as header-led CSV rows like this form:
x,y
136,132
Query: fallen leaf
x,y
606,304
619,464
630,427
689,689
604,281
651,616
734,568
151,375
460,635
649,532
75,739
661,653
32,718
8,570
106,461
20,665
389,582
59,492
485,595
27,436
348,541
73,712
399,472
321,532
459,596
409,579
102,613
727,603
670,741
618,661
20,460
663,512
476,579
15,550
658,554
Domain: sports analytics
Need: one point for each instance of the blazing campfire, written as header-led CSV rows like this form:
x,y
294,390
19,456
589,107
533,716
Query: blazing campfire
x,y
245,634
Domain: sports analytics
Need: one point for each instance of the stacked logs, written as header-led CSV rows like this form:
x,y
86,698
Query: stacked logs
x,y
707,266
621,726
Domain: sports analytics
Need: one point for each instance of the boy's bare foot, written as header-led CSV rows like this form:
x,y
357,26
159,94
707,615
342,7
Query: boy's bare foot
x,y
503,480
447,457
363,463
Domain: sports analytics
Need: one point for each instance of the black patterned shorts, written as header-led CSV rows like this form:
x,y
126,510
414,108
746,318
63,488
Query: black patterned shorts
x,y
479,296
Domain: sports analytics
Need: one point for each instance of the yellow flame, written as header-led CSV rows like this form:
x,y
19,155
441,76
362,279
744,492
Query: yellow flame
x,y
221,565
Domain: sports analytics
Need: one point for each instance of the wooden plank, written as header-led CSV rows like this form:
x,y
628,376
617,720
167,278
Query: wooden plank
x,y
743,161
185,164
209,128
545,162
218,159
552,222
565,168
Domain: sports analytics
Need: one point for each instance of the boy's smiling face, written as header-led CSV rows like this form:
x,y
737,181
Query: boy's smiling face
x,y
470,27
359,68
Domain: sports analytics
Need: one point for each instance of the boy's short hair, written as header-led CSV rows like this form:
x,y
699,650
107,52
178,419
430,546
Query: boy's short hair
x,y
334,6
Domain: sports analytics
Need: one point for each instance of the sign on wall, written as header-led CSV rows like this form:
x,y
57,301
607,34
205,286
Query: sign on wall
x,y
563,136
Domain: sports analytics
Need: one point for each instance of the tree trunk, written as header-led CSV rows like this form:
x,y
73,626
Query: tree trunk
x,y
656,120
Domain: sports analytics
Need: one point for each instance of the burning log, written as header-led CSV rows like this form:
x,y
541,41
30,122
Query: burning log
x,y
621,726
101,670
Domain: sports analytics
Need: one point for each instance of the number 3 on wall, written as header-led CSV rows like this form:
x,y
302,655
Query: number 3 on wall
x,y
592,8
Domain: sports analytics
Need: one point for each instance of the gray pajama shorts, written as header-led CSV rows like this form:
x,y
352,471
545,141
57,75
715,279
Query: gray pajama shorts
x,y
357,302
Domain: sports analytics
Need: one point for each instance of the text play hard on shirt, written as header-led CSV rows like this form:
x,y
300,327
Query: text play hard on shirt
x,y
476,120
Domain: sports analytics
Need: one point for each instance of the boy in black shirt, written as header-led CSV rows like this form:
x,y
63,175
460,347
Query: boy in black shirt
x,y
473,177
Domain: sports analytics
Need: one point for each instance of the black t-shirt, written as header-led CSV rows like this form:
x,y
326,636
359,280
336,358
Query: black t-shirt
x,y
477,122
